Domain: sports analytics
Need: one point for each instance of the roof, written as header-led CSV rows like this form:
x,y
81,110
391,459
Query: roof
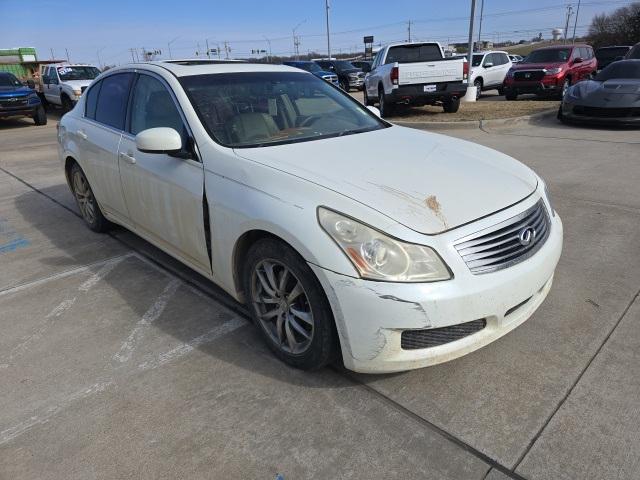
x,y
204,69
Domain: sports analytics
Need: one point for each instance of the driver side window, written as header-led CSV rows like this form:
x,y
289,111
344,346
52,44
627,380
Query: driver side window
x,y
153,106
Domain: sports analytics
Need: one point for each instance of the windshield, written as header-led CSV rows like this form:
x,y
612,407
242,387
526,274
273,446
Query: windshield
x,y
413,53
553,55
344,65
77,73
308,66
477,59
270,108
619,70
611,53
8,80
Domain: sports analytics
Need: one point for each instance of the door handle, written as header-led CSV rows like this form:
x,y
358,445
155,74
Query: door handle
x,y
128,158
81,134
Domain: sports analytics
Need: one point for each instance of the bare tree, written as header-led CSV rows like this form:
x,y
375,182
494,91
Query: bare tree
x,y
622,27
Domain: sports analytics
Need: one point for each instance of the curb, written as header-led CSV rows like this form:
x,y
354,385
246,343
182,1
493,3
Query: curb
x,y
471,124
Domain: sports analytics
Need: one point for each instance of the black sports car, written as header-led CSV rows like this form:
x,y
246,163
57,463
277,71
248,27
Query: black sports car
x,y
613,97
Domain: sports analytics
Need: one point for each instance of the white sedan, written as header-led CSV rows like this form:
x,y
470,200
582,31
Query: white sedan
x,y
345,235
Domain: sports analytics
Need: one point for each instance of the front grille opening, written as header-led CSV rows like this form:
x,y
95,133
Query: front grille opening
x,y
516,307
434,337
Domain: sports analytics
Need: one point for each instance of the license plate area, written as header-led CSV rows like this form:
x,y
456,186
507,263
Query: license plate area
x,y
429,88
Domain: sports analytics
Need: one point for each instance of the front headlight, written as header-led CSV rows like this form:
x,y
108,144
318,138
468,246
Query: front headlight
x,y
552,71
377,256
77,92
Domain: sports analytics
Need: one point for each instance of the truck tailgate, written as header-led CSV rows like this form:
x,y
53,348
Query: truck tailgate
x,y
430,72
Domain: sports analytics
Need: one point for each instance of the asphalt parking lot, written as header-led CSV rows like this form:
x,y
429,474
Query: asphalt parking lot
x,y
116,362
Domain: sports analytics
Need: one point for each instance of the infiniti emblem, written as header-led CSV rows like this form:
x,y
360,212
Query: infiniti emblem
x,y
526,236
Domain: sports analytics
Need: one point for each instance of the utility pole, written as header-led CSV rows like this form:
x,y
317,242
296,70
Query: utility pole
x,y
409,30
326,4
480,24
569,12
169,45
52,56
296,40
98,54
269,44
227,49
470,52
206,40
573,40
67,52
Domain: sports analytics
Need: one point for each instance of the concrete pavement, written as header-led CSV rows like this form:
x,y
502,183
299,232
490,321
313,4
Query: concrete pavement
x,y
117,362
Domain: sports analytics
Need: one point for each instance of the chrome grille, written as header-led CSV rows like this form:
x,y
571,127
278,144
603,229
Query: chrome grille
x,y
504,244
14,102
433,337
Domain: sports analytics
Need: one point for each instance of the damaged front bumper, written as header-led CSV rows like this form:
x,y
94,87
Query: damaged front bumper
x,y
371,316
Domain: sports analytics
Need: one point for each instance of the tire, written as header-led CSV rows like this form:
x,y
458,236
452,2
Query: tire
x,y
365,98
40,117
451,105
510,95
344,85
387,109
86,201
67,104
565,87
478,84
306,339
560,116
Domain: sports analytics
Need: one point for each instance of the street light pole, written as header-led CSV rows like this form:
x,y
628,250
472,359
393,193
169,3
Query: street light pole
x,y
326,3
295,42
470,52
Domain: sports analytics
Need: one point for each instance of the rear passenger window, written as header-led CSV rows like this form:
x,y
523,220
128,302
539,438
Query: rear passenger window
x,y
92,101
112,100
152,106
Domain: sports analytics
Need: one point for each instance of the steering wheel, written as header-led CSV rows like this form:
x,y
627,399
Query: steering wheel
x,y
310,120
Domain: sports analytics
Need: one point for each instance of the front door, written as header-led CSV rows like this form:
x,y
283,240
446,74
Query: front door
x,y
163,193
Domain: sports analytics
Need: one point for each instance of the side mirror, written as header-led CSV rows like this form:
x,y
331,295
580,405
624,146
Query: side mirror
x,y
488,65
578,60
31,84
375,111
159,140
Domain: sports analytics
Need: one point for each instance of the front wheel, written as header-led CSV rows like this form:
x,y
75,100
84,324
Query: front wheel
x,y
511,95
67,104
565,86
344,85
40,116
451,105
478,85
87,203
289,306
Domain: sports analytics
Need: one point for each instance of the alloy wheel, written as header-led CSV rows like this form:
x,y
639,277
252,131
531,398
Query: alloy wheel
x,y
84,197
282,306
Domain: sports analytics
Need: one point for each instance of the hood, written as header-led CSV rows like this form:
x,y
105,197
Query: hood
x,y
15,91
613,93
427,182
78,84
351,70
536,66
321,73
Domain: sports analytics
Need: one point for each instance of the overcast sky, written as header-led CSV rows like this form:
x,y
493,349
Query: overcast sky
x,y
113,27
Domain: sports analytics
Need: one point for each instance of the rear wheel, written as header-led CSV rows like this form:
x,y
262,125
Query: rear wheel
x,y
40,116
289,306
478,84
386,108
451,105
365,99
87,204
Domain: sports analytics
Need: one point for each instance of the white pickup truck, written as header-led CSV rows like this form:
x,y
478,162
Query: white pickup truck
x,y
417,74
63,84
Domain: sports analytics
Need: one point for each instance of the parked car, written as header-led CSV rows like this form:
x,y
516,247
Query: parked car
x,y
611,98
516,58
299,201
314,68
364,65
19,100
634,53
607,55
488,71
415,73
63,84
550,70
348,76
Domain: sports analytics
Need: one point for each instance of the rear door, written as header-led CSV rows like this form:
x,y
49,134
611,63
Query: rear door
x,y
163,193
99,135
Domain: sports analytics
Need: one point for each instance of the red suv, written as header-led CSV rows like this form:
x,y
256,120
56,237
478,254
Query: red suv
x,y
550,70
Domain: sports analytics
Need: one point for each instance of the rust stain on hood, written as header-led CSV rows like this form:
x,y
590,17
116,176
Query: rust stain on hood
x,y
433,205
